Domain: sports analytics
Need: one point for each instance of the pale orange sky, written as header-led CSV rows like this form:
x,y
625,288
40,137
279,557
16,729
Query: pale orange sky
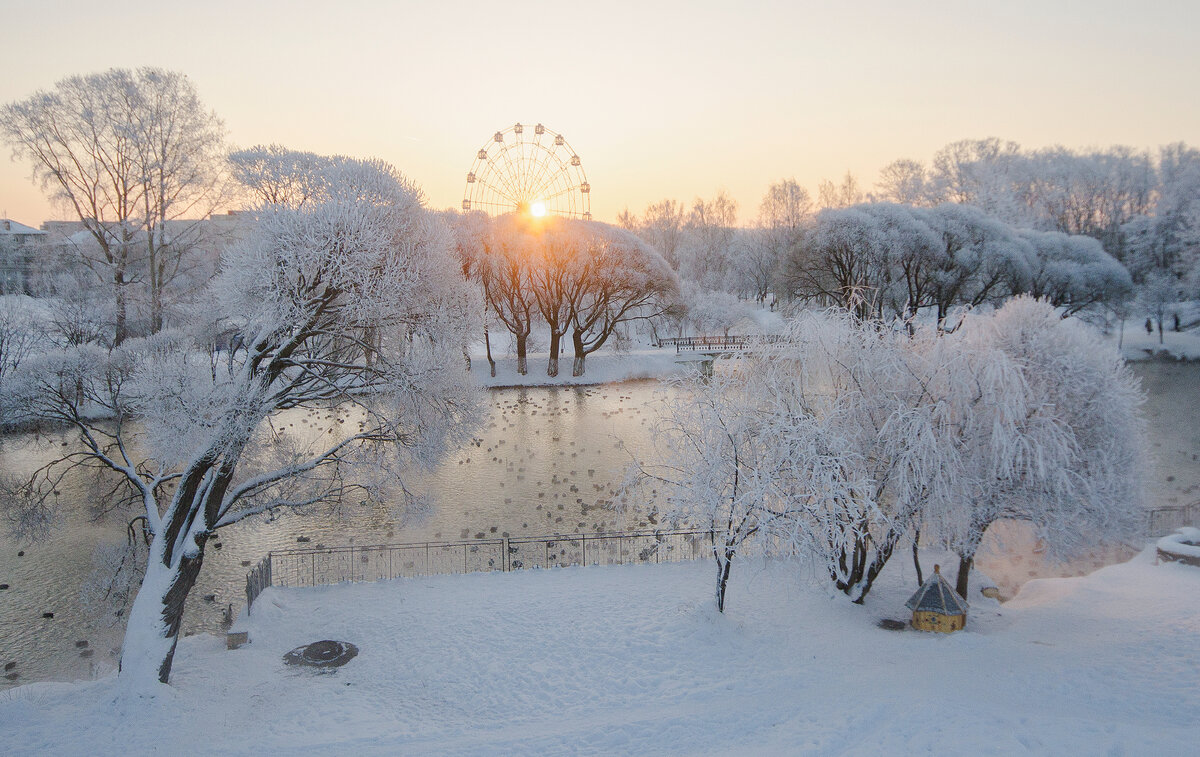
x,y
660,100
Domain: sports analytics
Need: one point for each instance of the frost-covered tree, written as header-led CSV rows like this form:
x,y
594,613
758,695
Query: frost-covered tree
x,y
130,154
710,311
837,260
1073,272
349,303
718,465
783,215
862,455
660,226
1044,416
276,175
905,182
830,195
978,172
20,335
982,260
704,249
840,439
620,279
506,272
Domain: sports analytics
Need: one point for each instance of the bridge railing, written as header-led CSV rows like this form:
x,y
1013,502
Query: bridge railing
x,y
715,343
1164,520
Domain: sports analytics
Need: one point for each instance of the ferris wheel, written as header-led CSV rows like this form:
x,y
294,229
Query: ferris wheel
x,y
528,169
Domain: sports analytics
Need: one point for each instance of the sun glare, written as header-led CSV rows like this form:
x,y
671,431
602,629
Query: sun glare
x,y
537,209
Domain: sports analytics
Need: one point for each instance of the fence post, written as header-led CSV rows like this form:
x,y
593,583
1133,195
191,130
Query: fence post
x,y
504,555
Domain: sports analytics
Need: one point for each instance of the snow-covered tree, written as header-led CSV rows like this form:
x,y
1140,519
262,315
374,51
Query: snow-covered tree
x,y
862,455
982,261
717,464
710,311
506,273
620,280
784,213
905,182
660,226
276,175
1074,272
837,260
704,250
130,154
1044,415
840,439
350,303
830,195
20,335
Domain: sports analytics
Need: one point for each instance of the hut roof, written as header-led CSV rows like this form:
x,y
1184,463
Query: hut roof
x,y
937,595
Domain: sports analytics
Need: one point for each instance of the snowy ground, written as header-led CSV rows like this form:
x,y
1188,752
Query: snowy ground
x,y
1136,344
634,660
639,359
602,368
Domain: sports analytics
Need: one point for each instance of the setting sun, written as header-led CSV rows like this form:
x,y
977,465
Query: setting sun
x,y
537,209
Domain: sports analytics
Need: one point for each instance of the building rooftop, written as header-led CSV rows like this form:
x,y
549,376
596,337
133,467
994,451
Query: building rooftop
x,y
13,228
937,595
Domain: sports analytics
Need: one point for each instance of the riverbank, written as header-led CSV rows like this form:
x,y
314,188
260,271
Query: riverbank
x,y
605,367
635,660
1135,344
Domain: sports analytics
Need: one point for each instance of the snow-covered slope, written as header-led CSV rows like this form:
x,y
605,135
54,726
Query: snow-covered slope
x,y
634,660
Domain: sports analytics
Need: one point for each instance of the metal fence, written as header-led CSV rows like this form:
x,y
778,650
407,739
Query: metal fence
x,y
258,579
1164,520
331,565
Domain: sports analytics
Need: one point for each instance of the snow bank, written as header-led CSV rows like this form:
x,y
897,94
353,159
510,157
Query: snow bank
x,y
602,368
634,660
1185,542
1138,345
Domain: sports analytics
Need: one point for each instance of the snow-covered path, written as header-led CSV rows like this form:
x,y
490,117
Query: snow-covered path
x,y
634,660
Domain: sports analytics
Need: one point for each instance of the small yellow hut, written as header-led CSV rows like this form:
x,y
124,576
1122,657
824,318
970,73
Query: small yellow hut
x,y
937,607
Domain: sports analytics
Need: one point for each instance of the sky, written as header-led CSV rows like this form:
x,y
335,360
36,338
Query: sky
x,y
660,99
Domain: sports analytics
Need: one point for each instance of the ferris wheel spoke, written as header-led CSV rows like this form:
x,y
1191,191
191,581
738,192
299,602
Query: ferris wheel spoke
x,y
497,191
563,191
503,176
545,176
524,166
554,173
511,173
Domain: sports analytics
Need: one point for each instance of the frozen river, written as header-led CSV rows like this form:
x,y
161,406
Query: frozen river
x,y
545,462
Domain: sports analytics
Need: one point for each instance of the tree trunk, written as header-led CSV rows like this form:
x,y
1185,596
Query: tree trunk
x,y
577,366
552,366
917,557
964,574
522,362
155,619
156,307
119,303
723,579
487,342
